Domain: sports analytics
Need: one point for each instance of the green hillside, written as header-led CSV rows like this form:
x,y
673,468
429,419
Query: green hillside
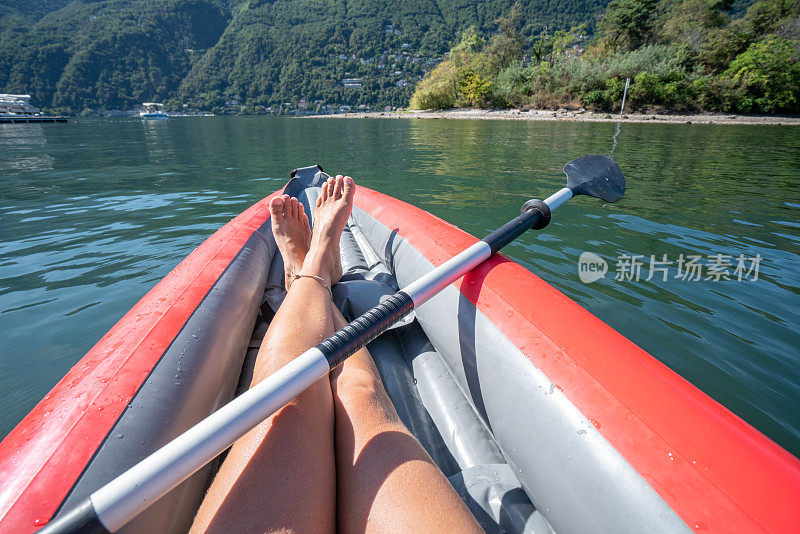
x,y
110,54
679,55
214,54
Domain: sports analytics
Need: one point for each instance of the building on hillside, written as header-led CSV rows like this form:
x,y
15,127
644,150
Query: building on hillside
x,y
352,82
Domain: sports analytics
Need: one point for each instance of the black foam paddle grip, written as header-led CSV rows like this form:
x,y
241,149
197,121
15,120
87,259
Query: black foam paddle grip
x,y
81,519
365,328
535,214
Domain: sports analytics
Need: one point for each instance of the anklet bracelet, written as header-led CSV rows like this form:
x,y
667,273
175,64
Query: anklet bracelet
x,y
317,278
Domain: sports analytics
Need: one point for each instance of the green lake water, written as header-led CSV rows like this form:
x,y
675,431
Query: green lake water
x,y
93,213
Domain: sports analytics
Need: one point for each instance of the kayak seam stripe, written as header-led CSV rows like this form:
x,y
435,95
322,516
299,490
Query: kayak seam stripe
x,y
237,231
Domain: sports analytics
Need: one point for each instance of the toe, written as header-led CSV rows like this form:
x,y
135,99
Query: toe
x,y
276,207
337,187
348,188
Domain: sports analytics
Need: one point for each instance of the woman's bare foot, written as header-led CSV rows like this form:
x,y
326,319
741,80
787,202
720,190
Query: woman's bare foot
x,y
292,233
334,206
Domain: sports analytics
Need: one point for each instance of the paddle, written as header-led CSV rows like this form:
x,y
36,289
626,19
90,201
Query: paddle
x,y
109,508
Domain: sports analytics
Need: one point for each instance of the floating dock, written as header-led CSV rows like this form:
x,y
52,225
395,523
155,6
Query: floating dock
x,y
24,119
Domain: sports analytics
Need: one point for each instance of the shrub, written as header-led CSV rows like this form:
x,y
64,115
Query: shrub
x,y
714,93
439,88
671,89
477,90
608,97
766,76
512,84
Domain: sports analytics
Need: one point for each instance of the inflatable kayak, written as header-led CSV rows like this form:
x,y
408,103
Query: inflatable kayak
x,y
543,418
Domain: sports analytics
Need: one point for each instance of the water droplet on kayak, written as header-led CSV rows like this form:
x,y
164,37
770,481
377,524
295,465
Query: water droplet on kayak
x,y
595,423
119,436
581,431
40,522
699,525
194,336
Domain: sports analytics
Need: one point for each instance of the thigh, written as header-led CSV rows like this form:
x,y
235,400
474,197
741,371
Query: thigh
x,y
281,476
385,481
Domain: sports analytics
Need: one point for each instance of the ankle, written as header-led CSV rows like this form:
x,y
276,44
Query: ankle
x,y
316,265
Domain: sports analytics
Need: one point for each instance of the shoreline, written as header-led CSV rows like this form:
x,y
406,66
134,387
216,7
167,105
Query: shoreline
x,y
576,116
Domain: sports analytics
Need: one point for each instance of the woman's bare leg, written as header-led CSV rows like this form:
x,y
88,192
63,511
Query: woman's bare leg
x,y
385,481
281,475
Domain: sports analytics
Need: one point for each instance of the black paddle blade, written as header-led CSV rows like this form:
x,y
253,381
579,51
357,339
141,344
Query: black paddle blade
x,y
595,176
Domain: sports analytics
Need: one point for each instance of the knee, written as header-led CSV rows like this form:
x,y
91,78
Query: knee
x,y
360,394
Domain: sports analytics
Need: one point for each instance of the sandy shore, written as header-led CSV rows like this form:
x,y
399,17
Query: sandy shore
x,y
579,115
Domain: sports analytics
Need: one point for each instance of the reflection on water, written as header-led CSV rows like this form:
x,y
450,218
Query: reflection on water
x,y
23,148
94,213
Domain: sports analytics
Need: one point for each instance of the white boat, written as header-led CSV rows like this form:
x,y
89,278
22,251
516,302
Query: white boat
x,y
18,109
17,106
153,110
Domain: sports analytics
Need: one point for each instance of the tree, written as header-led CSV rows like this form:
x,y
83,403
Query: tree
x,y
563,39
627,23
767,76
476,89
505,46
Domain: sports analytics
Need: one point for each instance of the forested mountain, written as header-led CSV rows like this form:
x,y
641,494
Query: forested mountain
x,y
210,54
108,54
